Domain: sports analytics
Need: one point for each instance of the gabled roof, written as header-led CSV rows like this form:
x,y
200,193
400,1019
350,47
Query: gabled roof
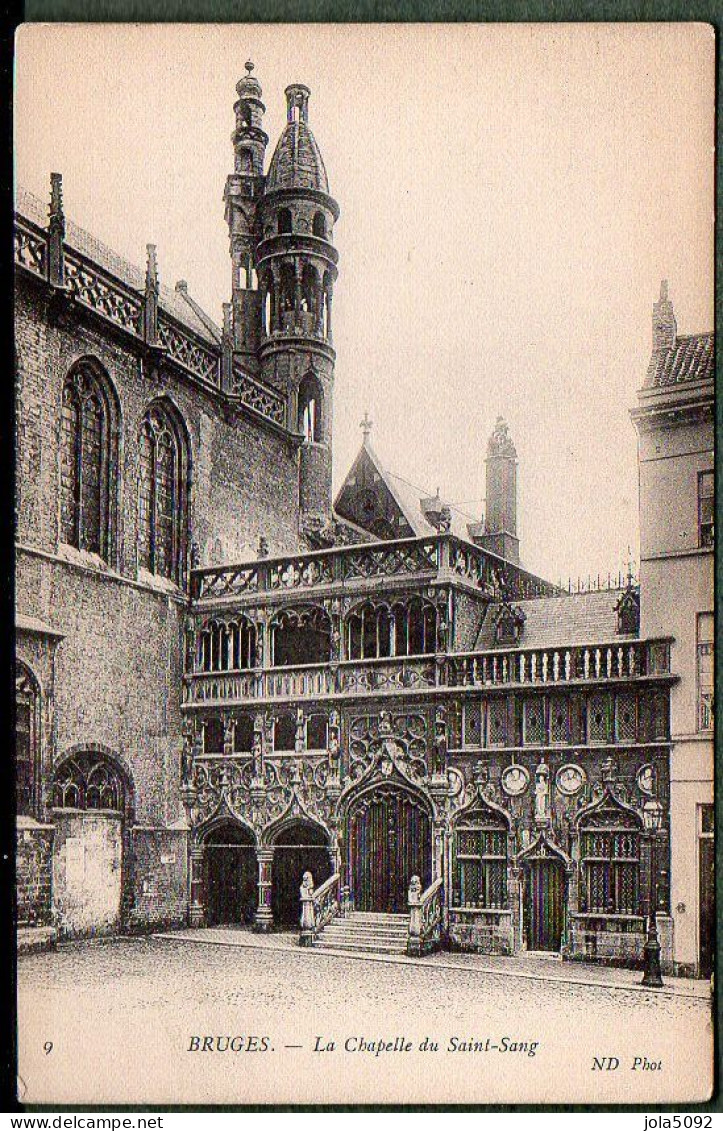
x,y
690,359
576,618
177,303
406,496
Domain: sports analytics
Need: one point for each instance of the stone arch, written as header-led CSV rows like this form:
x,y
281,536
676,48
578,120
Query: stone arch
x,y
388,825
300,843
310,410
226,856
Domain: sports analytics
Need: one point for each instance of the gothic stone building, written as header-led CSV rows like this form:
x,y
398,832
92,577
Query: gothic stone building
x,y
225,683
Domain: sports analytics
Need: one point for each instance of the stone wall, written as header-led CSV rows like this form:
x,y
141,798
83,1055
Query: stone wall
x,y
160,872
33,871
477,931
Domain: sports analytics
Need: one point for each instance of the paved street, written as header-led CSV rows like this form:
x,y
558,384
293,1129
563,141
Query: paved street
x,y
127,1020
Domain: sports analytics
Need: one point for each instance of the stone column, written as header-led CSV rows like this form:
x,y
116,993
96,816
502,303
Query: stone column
x,y
264,919
515,890
196,915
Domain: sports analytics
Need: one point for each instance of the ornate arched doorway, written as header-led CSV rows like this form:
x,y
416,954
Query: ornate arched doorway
x,y
388,841
299,847
230,875
545,870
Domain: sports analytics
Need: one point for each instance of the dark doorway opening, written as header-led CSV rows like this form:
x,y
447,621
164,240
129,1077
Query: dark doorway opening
x,y
545,903
389,841
706,926
301,847
230,875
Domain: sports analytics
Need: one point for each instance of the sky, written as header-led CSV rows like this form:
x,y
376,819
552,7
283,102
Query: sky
x,y
511,197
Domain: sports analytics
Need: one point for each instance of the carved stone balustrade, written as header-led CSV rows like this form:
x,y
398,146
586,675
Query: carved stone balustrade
x,y
614,660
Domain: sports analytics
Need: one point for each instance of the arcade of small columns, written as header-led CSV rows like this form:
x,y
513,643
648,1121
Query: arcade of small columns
x,y
316,634
297,296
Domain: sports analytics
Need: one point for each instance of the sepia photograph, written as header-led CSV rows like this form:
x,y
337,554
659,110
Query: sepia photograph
x,y
364,516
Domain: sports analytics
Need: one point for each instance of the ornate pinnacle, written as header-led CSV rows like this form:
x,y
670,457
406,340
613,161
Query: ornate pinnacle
x,y
366,427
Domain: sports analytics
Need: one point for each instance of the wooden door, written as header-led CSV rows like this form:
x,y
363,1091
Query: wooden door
x,y
389,842
545,904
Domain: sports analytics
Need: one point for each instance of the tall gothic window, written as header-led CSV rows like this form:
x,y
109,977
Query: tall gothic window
x,y
610,859
162,502
87,463
27,741
480,860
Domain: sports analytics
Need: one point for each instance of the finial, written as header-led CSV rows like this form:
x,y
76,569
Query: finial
x,y
366,427
151,267
56,194
663,290
249,66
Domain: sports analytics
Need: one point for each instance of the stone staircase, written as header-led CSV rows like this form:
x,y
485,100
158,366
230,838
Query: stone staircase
x,y
365,931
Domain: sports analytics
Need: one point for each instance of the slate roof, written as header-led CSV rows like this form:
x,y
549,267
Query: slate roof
x,y
690,359
177,303
297,161
578,618
409,497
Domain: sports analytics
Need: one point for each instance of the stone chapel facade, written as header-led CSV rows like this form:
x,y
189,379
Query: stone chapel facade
x,y
224,681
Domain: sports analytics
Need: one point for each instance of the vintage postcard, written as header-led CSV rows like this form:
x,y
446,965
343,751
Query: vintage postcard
x,y
365,546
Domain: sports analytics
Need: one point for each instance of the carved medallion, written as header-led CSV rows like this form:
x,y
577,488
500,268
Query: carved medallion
x,y
646,780
570,779
515,780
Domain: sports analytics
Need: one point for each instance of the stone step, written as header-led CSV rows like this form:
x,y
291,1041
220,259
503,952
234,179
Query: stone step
x,y
370,940
377,916
372,924
355,945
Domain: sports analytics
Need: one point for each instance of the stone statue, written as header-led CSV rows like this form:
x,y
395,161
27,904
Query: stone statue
x,y
542,793
187,758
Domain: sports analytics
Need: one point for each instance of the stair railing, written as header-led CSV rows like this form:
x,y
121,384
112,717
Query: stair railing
x,y
317,907
425,917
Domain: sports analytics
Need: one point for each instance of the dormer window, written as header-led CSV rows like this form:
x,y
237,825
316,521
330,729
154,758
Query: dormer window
x,y
508,626
628,611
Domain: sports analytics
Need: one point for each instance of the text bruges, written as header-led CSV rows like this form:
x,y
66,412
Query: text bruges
x,y
230,1044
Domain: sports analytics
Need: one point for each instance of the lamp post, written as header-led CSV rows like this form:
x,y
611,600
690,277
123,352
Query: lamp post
x,y
653,818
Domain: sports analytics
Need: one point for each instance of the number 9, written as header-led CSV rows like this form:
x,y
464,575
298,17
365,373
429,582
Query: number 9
x,y
48,1047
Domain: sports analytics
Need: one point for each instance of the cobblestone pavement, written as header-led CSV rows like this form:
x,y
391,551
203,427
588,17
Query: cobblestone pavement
x,y
527,967
127,1021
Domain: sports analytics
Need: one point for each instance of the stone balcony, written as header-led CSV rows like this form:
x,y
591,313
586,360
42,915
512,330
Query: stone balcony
x,y
442,558
589,664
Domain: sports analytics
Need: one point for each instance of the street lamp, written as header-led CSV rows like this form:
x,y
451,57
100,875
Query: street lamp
x,y
653,818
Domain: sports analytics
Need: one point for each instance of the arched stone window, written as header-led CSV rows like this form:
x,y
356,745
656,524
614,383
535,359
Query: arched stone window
x,y
226,646
319,225
310,414
408,628
89,780
479,859
27,741
609,859
162,494
287,287
284,221
88,460
300,636
310,290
